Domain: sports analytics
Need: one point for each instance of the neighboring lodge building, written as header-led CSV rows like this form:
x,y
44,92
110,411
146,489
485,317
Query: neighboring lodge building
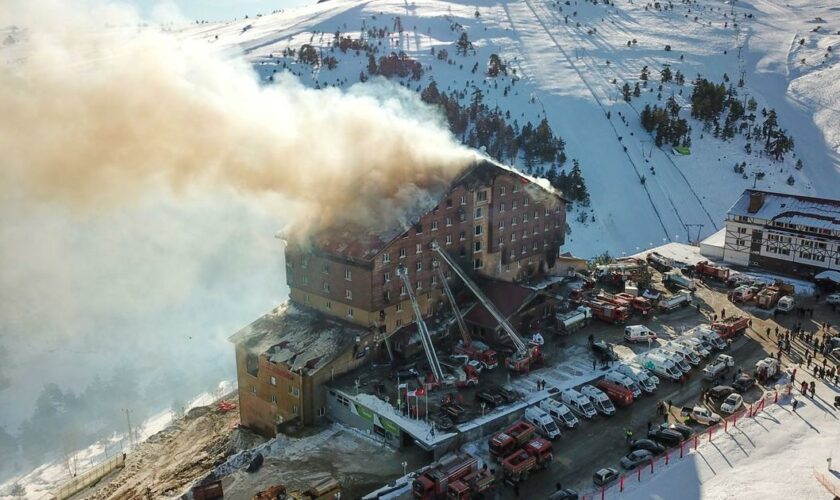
x,y
785,233
348,304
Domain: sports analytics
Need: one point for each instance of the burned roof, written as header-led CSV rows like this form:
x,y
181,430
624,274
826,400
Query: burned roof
x,y
821,213
362,244
298,338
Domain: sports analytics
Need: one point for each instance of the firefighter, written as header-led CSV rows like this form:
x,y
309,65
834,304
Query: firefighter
x,y
628,435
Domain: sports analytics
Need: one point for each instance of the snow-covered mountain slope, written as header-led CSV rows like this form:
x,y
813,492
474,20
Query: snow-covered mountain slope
x,y
571,60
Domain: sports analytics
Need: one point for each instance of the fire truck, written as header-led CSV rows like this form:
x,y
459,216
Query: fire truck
x,y
510,439
610,313
706,268
536,454
731,326
631,302
456,476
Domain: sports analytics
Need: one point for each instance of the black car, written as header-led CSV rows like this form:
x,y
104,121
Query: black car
x,y
604,476
684,430
719,392
603,351
666,437
491,399
635,458
743,383
565,494
405,373
648,445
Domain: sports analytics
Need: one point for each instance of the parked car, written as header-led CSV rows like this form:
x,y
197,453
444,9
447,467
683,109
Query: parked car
x,y
732,403
665,437
405,373
489,398
719,392
635,458
743,383
647,444
605,476
564,494
704,416
684,430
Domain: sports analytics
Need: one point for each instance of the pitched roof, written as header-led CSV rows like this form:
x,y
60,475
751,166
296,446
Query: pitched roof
x,y
507,297
822,213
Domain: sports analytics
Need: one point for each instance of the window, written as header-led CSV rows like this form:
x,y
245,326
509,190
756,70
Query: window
x,y
502,191
514,205
399,307
534,246
463,200
348,294
418,229
434,225
306,298
305,279
525,202
449,203
434,279
501,208
418,248
402,252
501,225
524,235
462,216
513,236
501,241
525,217
478,264
295,409
478,213
386,258
448,221
478,230
348,275
325,286
322,411
419,266
524,250
477,246
350,312
329,305
536,230
514,220
419,284
325,269
482,195
387,295
448,239
536,214
742,230
547,212
274,399
402,291
398,322
272,380
545,228
253,389
462,236
295,393
386,276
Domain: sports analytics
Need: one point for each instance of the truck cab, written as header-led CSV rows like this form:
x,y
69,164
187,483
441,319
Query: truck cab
x,y
578,403
559,412
543,422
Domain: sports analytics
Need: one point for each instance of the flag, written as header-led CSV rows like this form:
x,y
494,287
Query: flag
x,y
410,394
420,392
402,386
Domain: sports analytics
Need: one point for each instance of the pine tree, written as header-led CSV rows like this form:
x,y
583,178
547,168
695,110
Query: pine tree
x,y
625,92
666,74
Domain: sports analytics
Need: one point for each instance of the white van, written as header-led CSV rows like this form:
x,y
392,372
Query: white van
x,y
695,345
638,333
559,412
785,304
687,352
578,403
637,375
661,365
543,422
624,381
706,333
599,399
677,358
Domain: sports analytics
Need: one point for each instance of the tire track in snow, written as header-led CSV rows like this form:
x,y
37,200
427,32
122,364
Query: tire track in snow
x,y
600,104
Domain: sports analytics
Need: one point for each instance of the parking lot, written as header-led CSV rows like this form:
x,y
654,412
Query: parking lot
x,y
600,442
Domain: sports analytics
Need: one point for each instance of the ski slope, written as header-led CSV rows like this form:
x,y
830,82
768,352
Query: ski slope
x,y
571,61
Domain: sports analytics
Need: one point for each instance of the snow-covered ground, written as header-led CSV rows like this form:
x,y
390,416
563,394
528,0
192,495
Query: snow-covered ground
x,y
778,454
571,70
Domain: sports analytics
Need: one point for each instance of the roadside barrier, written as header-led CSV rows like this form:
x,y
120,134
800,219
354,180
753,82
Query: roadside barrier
x,y
659,463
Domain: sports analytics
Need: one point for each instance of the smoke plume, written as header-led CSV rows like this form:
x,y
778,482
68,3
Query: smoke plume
x,y
96,109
